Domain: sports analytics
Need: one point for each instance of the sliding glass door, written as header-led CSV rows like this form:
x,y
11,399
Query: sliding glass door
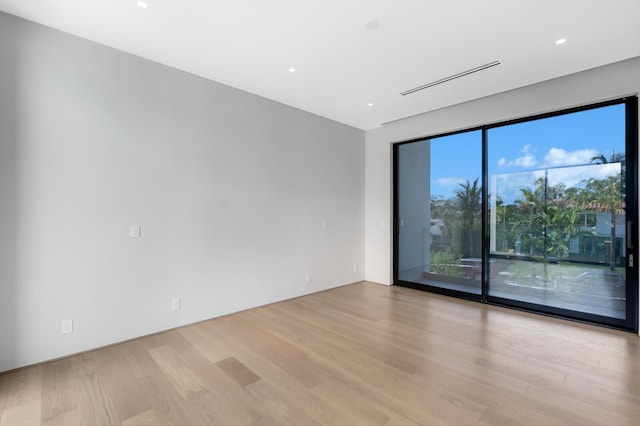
x,y
538,214
557,221
440,212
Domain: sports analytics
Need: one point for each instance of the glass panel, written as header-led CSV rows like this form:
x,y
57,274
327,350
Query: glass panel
x,y
440,212
557,211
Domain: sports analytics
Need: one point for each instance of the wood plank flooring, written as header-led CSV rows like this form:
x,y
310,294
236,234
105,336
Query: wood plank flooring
x,y
363,354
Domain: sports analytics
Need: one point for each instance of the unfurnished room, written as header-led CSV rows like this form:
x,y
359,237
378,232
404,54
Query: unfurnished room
x,y
358,212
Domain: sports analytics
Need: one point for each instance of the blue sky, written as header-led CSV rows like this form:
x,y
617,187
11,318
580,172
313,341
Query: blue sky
x,y
557,142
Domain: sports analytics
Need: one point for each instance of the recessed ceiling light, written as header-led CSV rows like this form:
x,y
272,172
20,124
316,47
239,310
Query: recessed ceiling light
x,y
561,41
292,69
142,4
370,104
372,25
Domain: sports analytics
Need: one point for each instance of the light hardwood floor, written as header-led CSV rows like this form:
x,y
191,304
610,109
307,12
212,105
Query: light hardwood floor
x,y
363,354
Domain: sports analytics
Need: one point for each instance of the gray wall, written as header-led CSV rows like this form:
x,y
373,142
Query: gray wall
x,y
231,191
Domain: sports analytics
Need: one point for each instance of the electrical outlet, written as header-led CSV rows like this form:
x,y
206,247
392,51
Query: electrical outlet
x,y
175,304
66,326
307,278
355,268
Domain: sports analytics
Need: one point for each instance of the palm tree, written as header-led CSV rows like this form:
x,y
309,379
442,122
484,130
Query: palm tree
x,y
531,216
547,214
613,158
607,195
468,202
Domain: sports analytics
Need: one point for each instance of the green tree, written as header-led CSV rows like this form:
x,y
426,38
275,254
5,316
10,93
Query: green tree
x,y
446,213
607,195
549,215
530,216
501,221
468,203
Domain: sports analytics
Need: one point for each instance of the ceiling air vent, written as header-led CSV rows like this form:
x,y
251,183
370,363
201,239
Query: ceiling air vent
x,y
451,77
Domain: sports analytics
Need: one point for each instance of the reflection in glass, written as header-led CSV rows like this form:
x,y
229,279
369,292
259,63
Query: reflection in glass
x,y
557,232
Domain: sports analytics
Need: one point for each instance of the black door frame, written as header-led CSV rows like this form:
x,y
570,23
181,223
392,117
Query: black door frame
x,y
630,323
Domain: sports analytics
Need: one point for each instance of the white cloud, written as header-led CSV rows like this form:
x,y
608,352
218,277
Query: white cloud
x,y
556,157
451,181
561,157
527,160
575,176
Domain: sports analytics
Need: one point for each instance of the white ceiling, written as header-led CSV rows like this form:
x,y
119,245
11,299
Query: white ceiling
x,y
341,65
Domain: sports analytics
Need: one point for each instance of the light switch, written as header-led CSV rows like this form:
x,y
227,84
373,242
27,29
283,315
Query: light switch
x,y
66,326
134,231
175,304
